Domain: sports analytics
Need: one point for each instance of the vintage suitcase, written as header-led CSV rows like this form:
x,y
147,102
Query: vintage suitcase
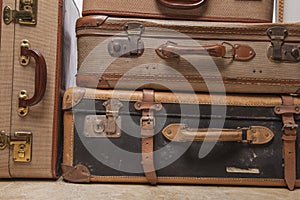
x,y
184,138
30,88
129,53
206,10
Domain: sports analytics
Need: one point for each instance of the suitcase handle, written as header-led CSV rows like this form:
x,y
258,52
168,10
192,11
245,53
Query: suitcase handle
x,y
182,4
40,79
251,135
238,52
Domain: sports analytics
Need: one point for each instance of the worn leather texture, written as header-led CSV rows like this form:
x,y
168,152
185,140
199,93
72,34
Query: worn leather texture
x,y
212,10
256,74
43,120
214,168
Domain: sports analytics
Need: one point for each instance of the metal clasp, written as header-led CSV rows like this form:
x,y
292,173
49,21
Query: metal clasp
x,y
147,122
21,143
130,46
26,15
4,140
279,51
105,125
291,126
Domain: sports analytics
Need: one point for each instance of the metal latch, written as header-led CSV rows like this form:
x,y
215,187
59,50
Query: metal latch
x,y
279,50
21,143
26,15
130,46
104,125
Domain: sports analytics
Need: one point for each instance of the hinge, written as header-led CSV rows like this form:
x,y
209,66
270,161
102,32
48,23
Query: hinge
x,y
279,50
26,15
105,125
21,143
130,46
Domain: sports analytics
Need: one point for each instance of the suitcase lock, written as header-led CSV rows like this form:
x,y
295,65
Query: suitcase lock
x,y
105,126
279,50
132,46
22,145
27,14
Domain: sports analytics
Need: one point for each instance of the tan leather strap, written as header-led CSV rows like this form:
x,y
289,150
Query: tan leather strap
x,y
147,131
252,135
280,10
289,139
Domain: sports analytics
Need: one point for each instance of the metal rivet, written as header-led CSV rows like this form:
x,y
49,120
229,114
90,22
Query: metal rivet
x,y
138,105
295,53
169,132
267,134
251,52
297,109
236,46
278,109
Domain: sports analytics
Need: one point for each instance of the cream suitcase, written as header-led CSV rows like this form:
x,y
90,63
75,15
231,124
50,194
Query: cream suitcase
x,y
30,88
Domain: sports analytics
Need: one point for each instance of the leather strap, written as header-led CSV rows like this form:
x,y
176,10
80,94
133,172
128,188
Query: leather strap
x,y
238,52
253,134
289,140
147,131
280,10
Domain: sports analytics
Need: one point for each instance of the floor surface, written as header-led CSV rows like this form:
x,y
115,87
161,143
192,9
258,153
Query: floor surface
x,y
11,190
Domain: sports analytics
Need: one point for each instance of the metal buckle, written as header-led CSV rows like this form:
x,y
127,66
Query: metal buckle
x,y
291,126
147,122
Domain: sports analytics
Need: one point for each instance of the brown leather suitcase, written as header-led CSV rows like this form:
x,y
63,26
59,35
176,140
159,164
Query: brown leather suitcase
x,y
30,57
130,53
181,138
205,10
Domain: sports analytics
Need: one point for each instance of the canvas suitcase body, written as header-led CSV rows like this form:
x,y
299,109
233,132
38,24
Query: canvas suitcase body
x,y
30,88
130,53
162,137
207,10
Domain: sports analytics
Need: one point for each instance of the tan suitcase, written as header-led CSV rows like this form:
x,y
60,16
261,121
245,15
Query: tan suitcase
x,y
178,55
206,10
30,85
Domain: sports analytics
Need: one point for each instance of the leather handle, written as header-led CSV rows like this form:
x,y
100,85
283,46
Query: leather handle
x,y
40,77
238,52
252,135
182,4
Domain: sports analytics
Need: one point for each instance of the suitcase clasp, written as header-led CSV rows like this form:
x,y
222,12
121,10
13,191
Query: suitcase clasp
x,y
105,126
26,15
132,46
279,50
22,145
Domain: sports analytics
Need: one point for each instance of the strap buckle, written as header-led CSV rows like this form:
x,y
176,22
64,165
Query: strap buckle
x,y
290,125
147,122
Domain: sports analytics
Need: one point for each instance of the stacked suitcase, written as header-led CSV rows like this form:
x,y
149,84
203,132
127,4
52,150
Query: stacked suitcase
x,y
30,91
187,92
